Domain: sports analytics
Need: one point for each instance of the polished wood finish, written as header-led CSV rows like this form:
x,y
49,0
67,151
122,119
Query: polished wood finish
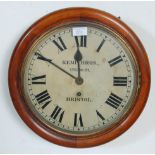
x,y
56,19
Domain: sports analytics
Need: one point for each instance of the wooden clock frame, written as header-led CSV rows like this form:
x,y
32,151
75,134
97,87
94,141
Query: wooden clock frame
x,y
56,19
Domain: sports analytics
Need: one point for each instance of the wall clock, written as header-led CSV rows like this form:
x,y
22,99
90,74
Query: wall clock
x,y
79,77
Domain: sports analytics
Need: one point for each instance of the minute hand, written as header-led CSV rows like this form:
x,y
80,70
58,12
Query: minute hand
x,y
50,61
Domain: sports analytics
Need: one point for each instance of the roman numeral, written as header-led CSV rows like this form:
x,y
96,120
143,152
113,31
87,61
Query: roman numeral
x,y
120,81
57,114
78,120
43,98
60,44
81,41
115,61
39,79
114,101
100,46
99,115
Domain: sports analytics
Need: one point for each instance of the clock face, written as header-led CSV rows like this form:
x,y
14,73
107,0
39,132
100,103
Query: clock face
x,y
80,78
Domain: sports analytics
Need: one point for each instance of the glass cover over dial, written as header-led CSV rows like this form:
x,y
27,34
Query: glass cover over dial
x,y
80,78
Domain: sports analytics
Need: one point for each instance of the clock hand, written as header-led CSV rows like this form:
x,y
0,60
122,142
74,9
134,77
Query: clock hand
x,y
42,57
50,61
78,58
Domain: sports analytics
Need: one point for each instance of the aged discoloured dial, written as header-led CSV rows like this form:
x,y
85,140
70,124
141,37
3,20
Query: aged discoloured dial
x,y
80,84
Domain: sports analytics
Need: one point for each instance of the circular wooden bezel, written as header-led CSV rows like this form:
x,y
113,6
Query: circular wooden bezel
x,y
56,19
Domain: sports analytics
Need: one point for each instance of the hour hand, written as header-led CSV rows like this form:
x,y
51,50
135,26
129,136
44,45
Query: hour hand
x,y
78,58
78,55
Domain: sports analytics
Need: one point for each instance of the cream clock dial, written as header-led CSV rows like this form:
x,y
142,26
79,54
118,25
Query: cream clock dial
x,y
80,84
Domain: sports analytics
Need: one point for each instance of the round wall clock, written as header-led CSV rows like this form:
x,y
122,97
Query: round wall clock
x,y
79,77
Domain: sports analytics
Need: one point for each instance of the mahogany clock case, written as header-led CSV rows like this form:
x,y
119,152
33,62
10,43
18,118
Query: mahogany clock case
x,y
57,19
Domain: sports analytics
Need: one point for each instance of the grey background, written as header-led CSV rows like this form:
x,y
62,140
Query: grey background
x,y
15,18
